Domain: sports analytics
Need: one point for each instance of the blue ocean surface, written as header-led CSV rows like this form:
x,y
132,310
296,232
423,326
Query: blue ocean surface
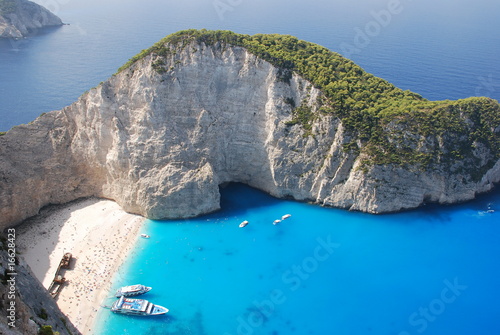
x,y
441,49
321,271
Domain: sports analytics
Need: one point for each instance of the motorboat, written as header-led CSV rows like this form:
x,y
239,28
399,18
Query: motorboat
x,y
132,290
137,307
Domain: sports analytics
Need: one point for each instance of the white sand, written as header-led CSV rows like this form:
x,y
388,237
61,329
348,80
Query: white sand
x,y
98,233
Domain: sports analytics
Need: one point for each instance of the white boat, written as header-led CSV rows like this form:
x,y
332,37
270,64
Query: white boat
x,y
276,222
243,224
145,235
137,307
132,290
286,216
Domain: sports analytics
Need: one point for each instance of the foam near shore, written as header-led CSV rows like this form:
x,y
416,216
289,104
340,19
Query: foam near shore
x,y
98,233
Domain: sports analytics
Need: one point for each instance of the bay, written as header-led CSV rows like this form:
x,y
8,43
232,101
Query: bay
x,y
432,270
321,271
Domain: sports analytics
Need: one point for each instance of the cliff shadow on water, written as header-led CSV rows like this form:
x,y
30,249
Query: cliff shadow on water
x,y
238,198
437,213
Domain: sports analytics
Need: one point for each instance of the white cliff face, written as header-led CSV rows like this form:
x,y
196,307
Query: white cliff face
x,y
25,17
161,142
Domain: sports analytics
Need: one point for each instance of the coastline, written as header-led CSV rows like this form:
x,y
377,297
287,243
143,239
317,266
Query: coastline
x,y
98,233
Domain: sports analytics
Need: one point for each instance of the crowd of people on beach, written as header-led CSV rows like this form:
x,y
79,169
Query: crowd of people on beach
x,y
98,249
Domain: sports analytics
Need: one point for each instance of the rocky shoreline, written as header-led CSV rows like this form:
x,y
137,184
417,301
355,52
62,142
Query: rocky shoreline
x,y
20,18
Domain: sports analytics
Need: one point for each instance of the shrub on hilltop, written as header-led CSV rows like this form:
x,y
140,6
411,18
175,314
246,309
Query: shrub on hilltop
x,y
390,126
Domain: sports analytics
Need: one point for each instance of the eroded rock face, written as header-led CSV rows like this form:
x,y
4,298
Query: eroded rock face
x,y
31,306
20,17
161,136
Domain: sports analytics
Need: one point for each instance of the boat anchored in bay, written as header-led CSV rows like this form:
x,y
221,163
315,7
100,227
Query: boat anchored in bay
x,y
284,217
137,307
132,290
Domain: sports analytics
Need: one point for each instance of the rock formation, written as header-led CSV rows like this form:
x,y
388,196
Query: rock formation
x,y
18,18
160,136
25,303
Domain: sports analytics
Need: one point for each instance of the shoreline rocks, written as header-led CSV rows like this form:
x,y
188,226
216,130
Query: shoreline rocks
x,y
20,18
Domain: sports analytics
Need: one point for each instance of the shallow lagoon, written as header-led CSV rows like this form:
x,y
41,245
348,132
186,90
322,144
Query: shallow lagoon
x,y
322,271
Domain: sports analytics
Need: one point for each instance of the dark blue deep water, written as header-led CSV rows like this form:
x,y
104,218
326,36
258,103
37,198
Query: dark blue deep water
x,y
323,271
441,49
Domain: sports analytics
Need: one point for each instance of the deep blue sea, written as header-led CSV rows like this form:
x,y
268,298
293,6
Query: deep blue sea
x,y
322,271
441,49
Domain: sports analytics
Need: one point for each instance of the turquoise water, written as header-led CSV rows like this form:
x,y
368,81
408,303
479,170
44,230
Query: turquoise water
x,y
322,271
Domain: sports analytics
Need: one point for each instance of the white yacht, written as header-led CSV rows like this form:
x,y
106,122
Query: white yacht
x,y
132,290
137,307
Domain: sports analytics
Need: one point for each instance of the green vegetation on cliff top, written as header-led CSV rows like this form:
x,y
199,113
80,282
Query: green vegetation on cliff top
x,y
389,125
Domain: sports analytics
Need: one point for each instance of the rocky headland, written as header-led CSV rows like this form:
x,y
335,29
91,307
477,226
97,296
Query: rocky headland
x,y
200,109
19,18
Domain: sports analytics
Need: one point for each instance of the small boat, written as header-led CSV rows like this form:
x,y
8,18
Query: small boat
x,y
137,307
489,209
276,222
132,290
243,224
145,235
286,216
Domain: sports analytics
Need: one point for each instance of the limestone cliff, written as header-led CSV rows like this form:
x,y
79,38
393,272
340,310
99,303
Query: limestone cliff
x,y
25,305
160,136
18,18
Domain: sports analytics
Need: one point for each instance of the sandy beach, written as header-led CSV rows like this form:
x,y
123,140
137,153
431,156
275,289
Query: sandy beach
x,y
98,233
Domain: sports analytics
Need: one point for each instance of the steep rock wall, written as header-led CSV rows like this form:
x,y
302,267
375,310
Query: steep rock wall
x,y
31,306
162,135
